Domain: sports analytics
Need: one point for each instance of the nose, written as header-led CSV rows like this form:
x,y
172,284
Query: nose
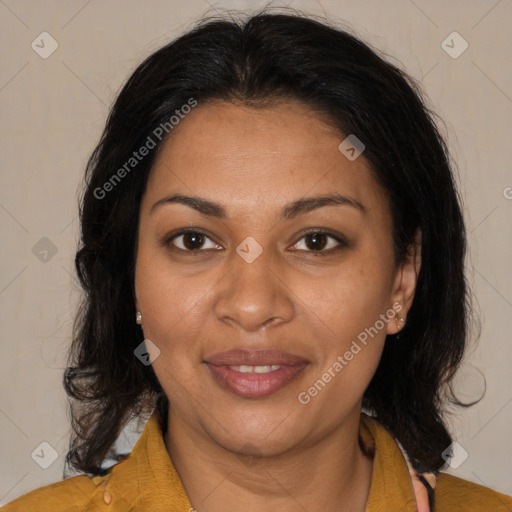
x,y
254,295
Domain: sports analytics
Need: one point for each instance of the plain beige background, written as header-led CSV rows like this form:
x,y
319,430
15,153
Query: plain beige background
x,y
53,111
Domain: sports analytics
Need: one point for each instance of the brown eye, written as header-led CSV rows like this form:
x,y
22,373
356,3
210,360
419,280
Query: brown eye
x,y
316,241
320,243
192,241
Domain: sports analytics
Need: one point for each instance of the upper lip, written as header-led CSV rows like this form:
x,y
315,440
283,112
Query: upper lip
x,y
255,357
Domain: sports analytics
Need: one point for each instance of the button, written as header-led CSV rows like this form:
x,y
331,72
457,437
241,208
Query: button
x,y
107,498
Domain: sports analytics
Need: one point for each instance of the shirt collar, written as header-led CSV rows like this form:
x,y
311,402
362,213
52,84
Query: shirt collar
x,y
148,479
391,484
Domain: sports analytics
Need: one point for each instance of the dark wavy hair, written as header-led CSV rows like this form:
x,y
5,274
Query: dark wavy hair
x,y
255,61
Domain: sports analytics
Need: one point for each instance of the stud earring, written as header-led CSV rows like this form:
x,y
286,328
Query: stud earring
x,y
399,319
138,318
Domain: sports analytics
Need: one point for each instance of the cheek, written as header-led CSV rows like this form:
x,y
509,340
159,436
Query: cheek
x,y
346,308
168,300
171,308
349,299
346,320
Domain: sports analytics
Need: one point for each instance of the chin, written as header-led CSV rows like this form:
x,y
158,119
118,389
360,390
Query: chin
x,y
265,432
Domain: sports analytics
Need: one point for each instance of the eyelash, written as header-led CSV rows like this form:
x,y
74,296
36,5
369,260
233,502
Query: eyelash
x,y
343,243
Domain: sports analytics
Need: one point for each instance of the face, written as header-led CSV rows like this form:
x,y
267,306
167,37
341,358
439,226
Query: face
x,y
269,305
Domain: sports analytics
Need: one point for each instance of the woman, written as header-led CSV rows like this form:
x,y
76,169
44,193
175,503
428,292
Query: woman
x,y
272,256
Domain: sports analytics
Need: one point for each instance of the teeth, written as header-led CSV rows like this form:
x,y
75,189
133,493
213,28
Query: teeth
x,y
256,369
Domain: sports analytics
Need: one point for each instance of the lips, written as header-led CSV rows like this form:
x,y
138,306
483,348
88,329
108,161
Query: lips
x,y
254,373
254,358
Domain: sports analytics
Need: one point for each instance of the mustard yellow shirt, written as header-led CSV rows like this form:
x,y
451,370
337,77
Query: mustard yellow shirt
x,y
147,482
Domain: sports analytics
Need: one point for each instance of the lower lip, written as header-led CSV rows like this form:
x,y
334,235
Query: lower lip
x,y
254,385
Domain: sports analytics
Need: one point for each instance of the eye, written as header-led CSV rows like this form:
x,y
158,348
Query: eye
x,y
316,242
320,242
191,241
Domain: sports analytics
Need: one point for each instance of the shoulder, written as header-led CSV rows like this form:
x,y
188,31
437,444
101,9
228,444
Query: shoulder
x,y
70,495
456,494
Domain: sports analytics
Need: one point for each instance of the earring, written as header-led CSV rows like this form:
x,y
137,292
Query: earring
x,y
399,326
138,318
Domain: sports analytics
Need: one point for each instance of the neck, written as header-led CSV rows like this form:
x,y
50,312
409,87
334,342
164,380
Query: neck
x,y
328,475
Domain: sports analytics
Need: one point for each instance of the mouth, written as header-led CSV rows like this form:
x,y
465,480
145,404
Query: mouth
x,y
255,373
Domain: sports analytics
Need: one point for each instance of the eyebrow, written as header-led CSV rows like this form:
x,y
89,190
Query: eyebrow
x,y
290,210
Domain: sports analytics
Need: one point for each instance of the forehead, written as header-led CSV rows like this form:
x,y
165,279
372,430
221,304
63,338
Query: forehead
x,y
249,155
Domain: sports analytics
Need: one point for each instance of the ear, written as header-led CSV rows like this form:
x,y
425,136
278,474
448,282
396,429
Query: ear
x,y
404,284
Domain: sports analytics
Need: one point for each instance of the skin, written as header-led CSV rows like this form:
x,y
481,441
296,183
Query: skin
x,y
268,453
